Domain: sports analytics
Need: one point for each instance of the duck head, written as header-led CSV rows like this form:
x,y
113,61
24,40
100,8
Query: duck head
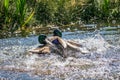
x,y
57,32
41,39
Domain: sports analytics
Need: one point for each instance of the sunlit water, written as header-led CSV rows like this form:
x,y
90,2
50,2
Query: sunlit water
x,y
102,61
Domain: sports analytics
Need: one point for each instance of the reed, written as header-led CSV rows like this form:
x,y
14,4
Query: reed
x,y
6,9
21,10
14,16
21,13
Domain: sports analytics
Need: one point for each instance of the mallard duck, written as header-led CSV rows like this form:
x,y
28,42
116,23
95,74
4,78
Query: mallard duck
x,y
51,44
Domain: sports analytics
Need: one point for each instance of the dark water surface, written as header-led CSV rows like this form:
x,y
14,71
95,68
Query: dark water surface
x,y
102,61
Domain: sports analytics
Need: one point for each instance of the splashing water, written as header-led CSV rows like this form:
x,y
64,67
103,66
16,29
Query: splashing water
x,y
102,61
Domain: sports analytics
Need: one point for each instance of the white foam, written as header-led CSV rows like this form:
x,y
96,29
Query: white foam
x,y
76,65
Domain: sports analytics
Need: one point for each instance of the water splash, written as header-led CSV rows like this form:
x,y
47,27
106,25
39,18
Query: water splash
x,y
102,62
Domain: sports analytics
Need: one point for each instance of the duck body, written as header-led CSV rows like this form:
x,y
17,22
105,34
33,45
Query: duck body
x,y
44,49
58,45
47,49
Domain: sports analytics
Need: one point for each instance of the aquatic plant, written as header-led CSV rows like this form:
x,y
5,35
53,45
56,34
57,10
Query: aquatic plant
x,y
14,16
20,15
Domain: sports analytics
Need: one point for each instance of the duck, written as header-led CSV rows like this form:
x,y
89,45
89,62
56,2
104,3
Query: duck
x,y
55,44
49,45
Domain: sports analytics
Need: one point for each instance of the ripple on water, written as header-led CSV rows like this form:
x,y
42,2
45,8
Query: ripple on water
x,y
102,62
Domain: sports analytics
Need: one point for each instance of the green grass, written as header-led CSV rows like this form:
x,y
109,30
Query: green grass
x,y
20,14
14,17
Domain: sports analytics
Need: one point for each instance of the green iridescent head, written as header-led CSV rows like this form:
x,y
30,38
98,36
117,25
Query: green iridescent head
x,y
57,32
41,39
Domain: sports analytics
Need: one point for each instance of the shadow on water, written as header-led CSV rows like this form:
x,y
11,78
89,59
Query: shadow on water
x,y
102,61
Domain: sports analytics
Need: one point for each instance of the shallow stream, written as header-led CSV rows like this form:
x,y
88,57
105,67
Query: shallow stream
x,y
102,61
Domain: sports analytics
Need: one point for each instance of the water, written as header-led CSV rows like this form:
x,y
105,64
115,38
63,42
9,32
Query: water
x,y
102,61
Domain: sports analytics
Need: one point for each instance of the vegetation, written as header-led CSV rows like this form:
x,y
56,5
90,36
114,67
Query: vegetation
x,y
18,15
14,16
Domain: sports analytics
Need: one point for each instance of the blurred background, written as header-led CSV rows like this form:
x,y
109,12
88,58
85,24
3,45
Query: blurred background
x,y
31,17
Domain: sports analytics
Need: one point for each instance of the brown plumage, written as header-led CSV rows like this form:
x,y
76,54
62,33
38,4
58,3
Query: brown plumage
x,y
60,49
